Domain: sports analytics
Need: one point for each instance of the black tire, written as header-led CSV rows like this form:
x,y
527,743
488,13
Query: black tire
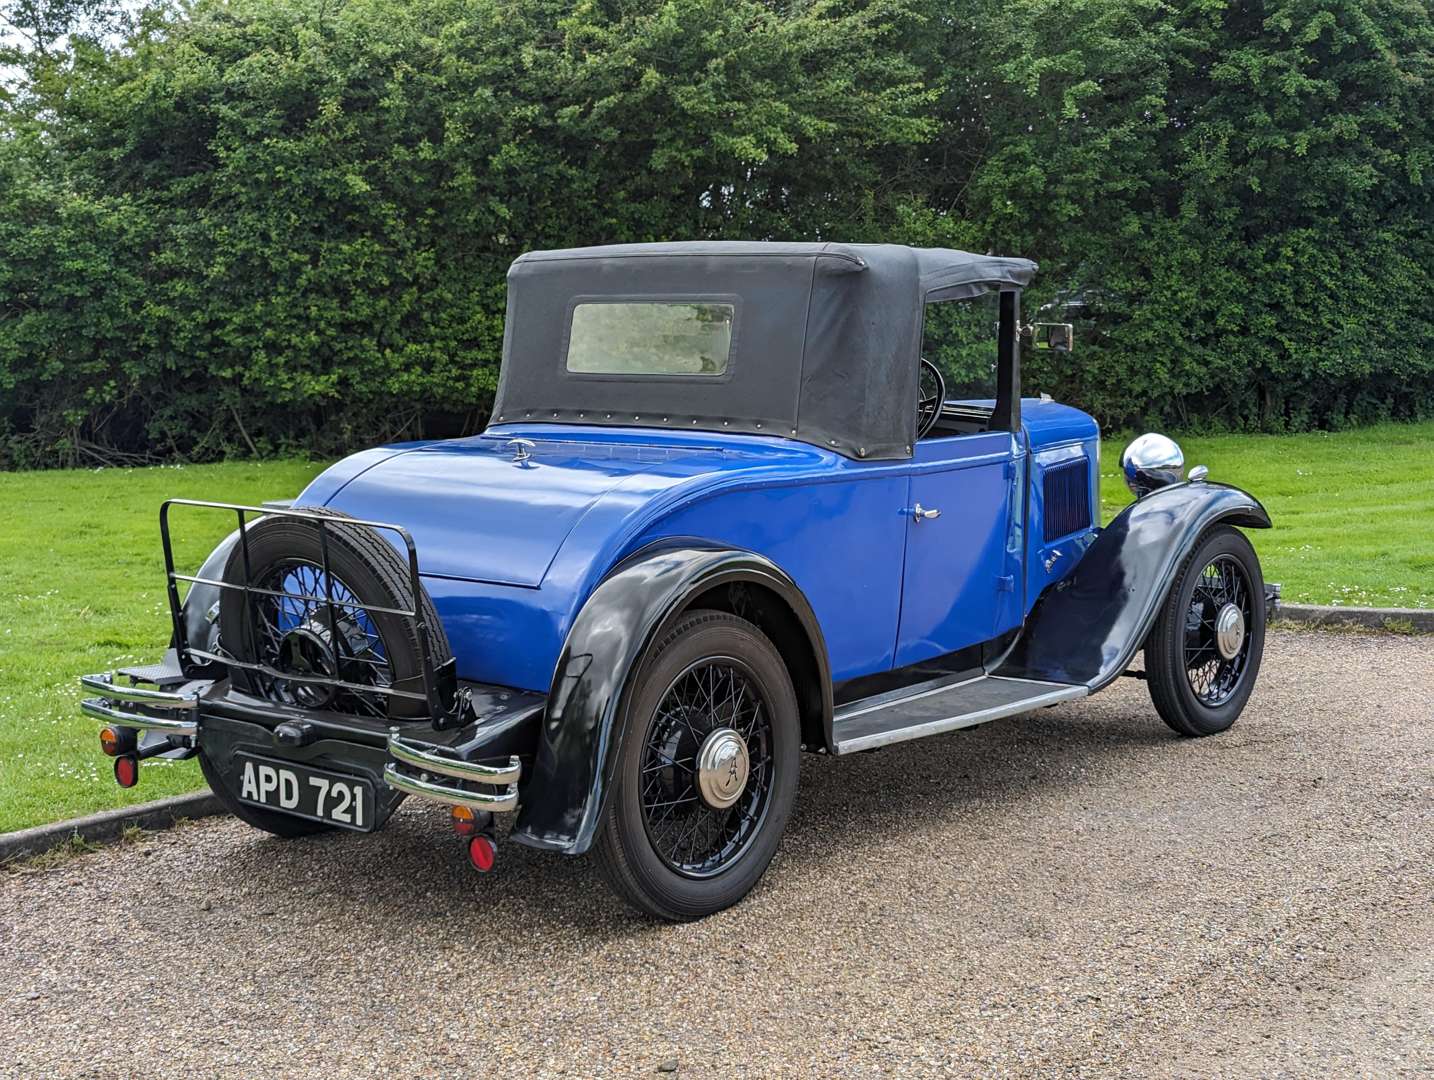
x,y
627,849
271,821
1181,650
364,562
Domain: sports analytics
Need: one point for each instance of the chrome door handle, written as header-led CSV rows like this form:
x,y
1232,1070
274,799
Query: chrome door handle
x,y
919,513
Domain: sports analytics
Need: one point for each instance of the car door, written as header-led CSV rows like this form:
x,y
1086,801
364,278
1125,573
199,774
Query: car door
x,y
959,581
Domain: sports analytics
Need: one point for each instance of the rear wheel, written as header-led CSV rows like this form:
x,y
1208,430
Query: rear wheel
x,y
1203,655
707,773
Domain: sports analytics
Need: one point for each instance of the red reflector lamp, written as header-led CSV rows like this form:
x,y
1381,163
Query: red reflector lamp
x,y
481,853
464,820
127,771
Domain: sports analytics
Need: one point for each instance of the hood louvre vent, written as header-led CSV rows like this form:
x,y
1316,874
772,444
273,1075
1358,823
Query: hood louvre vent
x,y
1066,499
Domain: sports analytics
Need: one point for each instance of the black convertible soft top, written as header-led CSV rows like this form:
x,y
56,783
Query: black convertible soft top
x,y
825,339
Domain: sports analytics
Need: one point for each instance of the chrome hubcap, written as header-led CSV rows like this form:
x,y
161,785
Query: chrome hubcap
x,y
1229,631
722,768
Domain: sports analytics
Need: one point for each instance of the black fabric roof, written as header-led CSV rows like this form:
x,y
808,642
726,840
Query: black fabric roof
x,y
825,346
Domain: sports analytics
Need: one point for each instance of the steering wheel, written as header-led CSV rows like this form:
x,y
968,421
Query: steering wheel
x,y
931,395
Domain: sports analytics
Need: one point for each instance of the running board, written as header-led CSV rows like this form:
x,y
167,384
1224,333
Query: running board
x,y
943,705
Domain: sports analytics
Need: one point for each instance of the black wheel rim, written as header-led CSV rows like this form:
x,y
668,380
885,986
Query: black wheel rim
x,y
691,837
300,633
1214,677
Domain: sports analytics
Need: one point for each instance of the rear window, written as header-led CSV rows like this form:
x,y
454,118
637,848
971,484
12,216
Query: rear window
x,y
666,337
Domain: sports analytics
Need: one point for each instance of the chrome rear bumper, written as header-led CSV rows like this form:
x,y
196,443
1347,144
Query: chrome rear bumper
x,y
416,769
441,788
141,709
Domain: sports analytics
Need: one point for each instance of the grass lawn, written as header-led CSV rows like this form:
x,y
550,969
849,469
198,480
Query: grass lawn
x,y
81,577
1353,511
81,590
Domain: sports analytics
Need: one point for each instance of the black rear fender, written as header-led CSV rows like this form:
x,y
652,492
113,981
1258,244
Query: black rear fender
x,y
564,794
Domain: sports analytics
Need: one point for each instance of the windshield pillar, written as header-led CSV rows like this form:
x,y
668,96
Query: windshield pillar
x,y
1007,414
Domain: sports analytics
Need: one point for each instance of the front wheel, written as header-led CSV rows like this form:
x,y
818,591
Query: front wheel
x,y
1203,654
707,772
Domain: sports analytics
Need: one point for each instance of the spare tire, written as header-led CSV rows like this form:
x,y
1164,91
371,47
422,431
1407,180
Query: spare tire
x,y
295,633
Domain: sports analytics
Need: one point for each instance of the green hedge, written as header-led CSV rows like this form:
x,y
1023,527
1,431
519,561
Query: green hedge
x,y
254,225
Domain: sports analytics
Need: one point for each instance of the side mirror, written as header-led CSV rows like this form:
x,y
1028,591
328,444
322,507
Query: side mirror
x,y
1059,336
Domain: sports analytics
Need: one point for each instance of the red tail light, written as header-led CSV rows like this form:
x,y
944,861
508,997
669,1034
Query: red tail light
x,y
481,853
127,771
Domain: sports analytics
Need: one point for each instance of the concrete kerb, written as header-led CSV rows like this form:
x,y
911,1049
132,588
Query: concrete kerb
x,y
108,824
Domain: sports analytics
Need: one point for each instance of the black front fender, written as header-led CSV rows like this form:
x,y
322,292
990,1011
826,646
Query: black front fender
x,y
583,726
1088,628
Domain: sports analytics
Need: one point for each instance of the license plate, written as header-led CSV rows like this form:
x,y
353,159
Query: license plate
x,y
310,793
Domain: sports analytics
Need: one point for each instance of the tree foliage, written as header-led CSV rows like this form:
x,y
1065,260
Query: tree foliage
x,y
245,225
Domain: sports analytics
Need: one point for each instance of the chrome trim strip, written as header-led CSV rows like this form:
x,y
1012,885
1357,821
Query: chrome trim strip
x,y
963,720
426,789
101,710
497,775
104,684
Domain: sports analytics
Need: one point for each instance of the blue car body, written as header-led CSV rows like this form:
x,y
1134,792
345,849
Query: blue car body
x,y
510,552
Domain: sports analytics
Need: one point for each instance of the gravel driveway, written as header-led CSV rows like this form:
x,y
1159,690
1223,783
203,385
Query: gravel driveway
x,y
1073,893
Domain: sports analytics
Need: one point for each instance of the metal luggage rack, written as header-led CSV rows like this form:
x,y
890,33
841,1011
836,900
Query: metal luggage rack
x,y
446,710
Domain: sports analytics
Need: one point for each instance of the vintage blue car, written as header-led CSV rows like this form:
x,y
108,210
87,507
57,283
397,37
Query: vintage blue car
x,y
737,501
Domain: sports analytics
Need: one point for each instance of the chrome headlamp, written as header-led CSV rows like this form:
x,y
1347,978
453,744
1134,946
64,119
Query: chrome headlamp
x,y
1152,461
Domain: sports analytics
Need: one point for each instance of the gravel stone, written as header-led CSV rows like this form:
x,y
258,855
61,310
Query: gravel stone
x,y
1073,893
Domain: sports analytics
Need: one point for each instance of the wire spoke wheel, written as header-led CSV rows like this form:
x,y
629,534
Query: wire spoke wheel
x,y
706,771
319,629
1203,654
319,607
1217,645
706,767
324,607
